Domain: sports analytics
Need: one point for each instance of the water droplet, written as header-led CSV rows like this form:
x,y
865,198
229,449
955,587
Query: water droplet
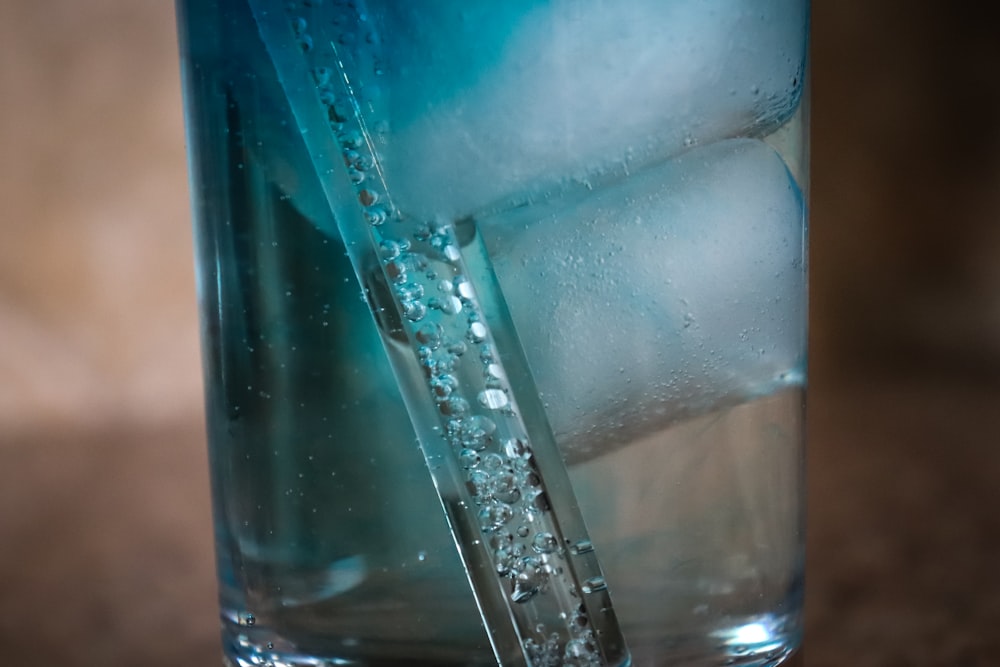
x,y
493,399
522,531
248,619
582,547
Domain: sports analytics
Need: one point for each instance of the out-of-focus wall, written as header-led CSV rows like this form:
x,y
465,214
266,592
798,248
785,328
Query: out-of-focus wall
x,y
97,315
906,188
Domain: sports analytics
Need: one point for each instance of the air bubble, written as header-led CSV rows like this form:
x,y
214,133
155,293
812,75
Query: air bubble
x,y
505,488
494,517
367,197
454,406
528,581
479,486
410,291
469,458
464,288
582,547
376,215
477,332
443,385
396,271
493,399
451,305
492,463
352,139
544,543
578,652
540,502
476,431
414,310
321,75
594,585
429,334
513,448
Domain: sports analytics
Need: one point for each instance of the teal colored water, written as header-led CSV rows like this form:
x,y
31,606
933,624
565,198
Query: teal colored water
x,y
331,541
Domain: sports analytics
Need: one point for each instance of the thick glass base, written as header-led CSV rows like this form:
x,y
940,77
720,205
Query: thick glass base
x,y
732,647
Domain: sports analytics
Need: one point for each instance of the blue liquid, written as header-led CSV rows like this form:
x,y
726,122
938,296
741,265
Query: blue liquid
x,y
331,542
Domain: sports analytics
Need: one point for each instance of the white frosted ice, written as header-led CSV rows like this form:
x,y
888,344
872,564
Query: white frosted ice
x,y
670,293
485,104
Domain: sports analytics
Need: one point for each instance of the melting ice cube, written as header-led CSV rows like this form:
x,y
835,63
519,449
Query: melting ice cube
x,y
661,296
487,102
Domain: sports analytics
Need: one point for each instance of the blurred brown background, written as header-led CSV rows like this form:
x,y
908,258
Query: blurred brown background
x,y
105,543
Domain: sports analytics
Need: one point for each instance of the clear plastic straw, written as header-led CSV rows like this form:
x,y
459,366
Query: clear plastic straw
x,y
460,369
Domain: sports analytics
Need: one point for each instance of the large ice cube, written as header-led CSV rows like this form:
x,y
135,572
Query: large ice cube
x,y
665,295
486,103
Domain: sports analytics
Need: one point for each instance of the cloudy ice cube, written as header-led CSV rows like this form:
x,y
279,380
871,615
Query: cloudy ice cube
x,y
485,103
666,295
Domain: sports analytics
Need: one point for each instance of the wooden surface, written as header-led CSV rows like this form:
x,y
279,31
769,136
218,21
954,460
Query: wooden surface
x,y
105,542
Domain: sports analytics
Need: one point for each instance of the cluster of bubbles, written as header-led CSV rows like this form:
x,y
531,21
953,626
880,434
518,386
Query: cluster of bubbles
x,y
423,267
578,652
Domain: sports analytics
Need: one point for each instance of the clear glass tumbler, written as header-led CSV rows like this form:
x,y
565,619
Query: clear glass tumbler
x,y
504,327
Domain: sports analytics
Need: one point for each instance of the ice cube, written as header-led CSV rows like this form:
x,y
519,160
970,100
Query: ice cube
x,y
670,293
487,103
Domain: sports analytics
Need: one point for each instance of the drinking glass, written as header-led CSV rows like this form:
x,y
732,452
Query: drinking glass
x,y
503,316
